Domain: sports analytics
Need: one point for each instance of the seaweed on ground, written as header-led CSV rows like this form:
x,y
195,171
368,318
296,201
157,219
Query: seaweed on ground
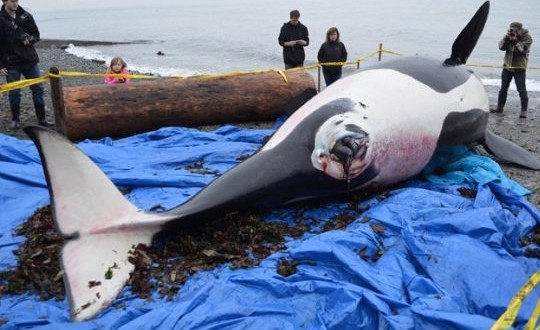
x,y
238,240
38,268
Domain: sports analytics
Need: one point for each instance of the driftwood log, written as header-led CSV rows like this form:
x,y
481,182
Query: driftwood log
x,y
120,110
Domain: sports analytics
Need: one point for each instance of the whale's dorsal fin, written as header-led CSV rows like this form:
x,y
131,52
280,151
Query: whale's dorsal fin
x,y
466,40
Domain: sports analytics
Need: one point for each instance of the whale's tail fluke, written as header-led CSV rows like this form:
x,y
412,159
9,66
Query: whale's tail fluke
x,y
466,40
99,224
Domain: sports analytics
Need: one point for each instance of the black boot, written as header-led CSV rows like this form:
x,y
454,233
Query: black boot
x,y
501,101
524,104
40,114
524,101
15,114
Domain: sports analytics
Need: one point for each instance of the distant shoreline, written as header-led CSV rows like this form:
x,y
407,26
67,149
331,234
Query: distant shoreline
x,y
64,43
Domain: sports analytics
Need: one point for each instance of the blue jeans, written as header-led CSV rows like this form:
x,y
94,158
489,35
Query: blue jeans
x,y
15,95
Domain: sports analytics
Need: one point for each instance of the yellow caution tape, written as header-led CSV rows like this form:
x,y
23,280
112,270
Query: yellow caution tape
x,y
505,67
333,64
22,83
28,82
100,75
283,75
507,319
25,83
391,52
534,318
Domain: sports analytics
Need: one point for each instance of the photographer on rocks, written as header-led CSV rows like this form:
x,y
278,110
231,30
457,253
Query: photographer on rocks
x,y
516,44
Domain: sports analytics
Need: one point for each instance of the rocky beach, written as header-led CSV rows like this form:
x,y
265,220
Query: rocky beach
x,y
52,54
523,132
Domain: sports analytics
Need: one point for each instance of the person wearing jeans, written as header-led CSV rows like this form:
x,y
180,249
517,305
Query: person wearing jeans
x,y
18,57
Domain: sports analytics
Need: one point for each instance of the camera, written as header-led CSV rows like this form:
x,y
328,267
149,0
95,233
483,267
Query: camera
x,y
512,33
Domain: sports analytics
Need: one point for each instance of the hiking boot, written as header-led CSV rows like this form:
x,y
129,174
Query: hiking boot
x,y
45,123
496,110
15,124
523,114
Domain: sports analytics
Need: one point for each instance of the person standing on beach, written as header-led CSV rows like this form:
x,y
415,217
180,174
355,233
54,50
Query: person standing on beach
x,y
18,34
516,45
332,50
293,37
117,66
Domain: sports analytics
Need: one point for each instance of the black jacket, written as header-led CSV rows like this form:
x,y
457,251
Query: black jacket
x,y
332,52
13,52
293,55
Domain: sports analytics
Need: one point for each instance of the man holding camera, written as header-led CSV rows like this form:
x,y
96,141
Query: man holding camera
x,y
18,33
516,44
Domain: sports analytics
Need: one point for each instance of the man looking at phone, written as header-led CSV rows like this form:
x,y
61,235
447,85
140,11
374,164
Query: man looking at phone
x,y
293,37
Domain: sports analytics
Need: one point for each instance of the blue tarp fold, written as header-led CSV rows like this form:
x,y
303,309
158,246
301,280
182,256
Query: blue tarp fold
x,y
444,260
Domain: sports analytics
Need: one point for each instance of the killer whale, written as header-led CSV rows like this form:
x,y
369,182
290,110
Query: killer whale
x,y
377,127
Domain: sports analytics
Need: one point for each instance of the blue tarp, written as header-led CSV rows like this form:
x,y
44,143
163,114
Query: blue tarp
x,y
449,261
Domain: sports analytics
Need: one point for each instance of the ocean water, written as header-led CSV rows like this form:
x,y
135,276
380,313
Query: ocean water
x,y
209,36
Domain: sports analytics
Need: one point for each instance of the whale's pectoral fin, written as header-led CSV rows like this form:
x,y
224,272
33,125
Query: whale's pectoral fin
x,y
508,151
465,42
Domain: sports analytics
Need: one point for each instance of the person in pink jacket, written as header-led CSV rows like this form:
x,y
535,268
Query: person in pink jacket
x,y
117,66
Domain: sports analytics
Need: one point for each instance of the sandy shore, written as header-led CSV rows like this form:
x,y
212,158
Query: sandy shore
x,y
523,132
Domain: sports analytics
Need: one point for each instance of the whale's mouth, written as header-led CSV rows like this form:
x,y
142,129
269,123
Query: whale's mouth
x,y
348,156
350,151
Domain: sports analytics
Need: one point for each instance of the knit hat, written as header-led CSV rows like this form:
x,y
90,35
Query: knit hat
x,y
516,25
